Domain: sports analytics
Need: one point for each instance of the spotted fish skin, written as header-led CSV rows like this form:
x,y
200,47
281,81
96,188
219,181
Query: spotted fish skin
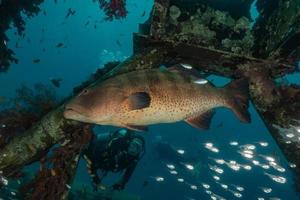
x,y
146,97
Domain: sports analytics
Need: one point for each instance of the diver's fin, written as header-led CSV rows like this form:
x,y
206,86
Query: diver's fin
x,y
238,99
138,100
136,128
201,121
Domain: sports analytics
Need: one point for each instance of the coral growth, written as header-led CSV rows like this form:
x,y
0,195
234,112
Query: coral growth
x,y
212,28
56,172
114,9
26,108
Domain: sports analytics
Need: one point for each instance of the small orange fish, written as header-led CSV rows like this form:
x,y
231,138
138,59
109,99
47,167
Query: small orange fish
x,y
140,98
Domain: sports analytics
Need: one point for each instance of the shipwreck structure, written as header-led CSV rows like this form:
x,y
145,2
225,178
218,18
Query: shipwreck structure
x,y
216,39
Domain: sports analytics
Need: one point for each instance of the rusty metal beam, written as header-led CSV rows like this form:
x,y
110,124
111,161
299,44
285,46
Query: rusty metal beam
x,y
212,60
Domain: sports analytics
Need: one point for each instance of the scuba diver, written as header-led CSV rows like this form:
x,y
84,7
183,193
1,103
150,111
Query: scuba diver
x,y
119,151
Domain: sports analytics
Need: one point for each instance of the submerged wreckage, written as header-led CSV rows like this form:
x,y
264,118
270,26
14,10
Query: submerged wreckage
x,y
215,38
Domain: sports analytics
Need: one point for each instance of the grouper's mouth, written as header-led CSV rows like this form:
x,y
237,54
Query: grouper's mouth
x,y
72,113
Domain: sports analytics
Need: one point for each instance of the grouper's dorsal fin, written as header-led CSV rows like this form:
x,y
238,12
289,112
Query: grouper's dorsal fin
x,y
201,121
138,100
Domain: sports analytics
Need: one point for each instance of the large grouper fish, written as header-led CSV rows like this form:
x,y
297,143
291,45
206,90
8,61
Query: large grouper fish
x,y
136,99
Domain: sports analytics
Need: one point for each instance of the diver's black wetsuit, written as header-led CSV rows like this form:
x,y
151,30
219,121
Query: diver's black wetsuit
x,y
114,152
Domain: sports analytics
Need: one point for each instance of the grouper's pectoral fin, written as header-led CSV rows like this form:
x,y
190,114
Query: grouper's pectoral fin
x,y
138,100
201,121
135,127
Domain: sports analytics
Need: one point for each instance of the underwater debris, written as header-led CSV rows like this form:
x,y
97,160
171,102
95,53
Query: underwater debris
x,y
114,9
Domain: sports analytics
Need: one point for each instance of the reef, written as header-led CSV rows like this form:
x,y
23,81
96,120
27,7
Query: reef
x,y
113,9
56,173
215,40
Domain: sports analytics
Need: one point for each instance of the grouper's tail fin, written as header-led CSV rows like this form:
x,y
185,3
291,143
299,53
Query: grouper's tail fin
x,y
237,93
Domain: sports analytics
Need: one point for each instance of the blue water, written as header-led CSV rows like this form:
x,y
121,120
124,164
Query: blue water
x,y
88,49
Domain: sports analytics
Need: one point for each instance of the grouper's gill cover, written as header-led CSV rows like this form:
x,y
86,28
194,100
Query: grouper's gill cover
x,y
140,98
